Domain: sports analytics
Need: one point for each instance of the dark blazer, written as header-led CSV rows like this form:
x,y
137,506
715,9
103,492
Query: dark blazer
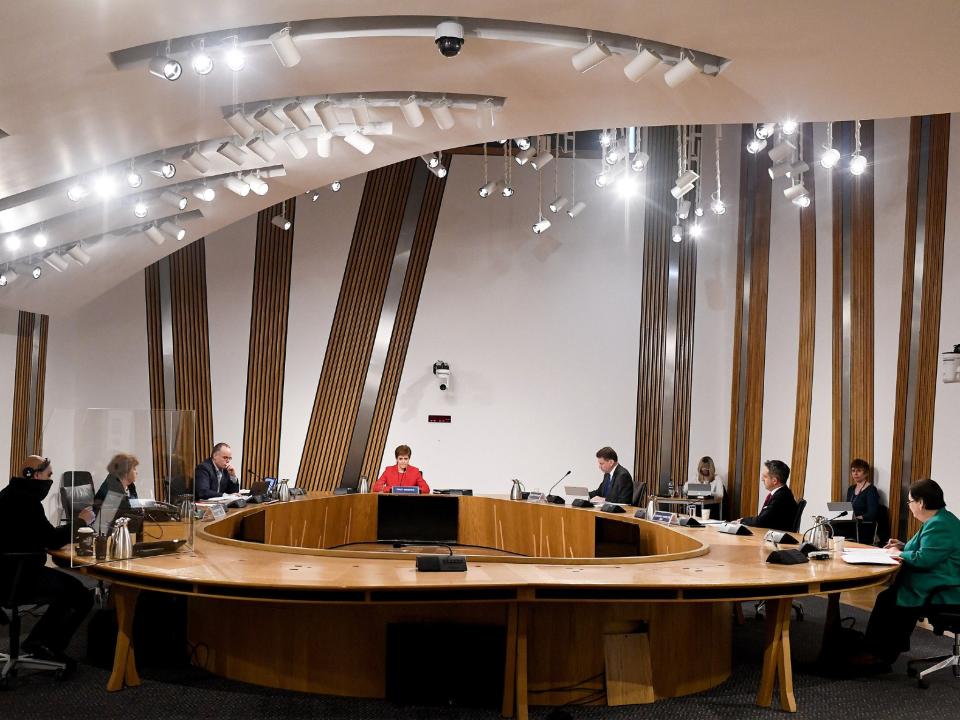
x,y
111,483
205,481
866,505
779,514
621,487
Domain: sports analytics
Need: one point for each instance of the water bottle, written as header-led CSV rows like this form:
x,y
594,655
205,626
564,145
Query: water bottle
x,y
122,545
364,486
516,492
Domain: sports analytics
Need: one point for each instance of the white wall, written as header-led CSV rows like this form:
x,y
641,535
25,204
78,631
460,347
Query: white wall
x,y
321,243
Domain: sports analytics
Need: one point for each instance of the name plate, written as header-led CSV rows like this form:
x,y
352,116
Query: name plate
x,y
405,490
535,497
664,516
213,511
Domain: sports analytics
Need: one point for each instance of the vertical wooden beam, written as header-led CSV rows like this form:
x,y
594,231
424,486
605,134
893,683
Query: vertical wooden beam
x,y
26,428
151,276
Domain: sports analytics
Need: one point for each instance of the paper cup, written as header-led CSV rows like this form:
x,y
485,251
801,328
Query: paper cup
x,y
705,513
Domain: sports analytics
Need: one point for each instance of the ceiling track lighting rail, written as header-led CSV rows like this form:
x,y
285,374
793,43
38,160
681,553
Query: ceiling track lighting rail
x,y
644,53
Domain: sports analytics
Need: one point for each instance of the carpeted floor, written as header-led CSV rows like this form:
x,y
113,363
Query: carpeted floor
x,y
192,693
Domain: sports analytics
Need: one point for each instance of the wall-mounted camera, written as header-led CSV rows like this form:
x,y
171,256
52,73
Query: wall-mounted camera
x,y
449,38
442,371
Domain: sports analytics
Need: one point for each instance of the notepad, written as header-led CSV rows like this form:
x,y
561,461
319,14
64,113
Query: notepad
x,y
868,557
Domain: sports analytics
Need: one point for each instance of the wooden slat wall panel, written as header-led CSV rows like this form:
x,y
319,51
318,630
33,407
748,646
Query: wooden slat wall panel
x,y
20,429
191,351
661,170
755,360
683,383
354,325
927,360
808,317
403,324
270,311
155,372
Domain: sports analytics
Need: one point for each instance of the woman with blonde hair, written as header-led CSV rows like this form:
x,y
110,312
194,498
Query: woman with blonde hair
x,y
707,475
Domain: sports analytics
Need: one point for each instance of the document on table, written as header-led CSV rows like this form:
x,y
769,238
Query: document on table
x,y
868,557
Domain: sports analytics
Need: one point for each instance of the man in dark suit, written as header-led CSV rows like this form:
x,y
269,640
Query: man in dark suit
x,y
216,475
779,510
617,484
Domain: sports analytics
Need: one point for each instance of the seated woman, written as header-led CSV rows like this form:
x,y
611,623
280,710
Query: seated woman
x,y
707,475
403,474
122,474
929,560
862,492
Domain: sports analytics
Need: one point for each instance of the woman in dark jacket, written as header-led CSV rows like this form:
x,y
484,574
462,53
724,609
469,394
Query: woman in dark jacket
x,y
862,492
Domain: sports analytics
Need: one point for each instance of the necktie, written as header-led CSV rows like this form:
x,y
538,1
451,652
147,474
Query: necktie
x,y
606,484
767,501
219,480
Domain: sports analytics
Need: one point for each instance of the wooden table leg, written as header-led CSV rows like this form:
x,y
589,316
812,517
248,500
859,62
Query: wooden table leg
x,y
523,621
777,664
510,664
124,663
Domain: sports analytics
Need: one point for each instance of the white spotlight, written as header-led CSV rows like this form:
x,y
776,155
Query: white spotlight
x,y
539,161
680,73
431,160
12,242
507,191
640,160
294,111
201,62
612,156
336,185
56,262
676,233
602,179
240,125
297,147
358,140
78,254
36,272
789,127
285,47
134,179
627,186
441,114
606,137
765,130
541,225
7,277
678,191
797,169
524,156
830,158
782,151
235,59
205,193
175,231
236,185
756,145
232,153
642,63
858,164
162,168
522,143
683,209
803,201
696,230
259,146
153,232
411,111
558,204
440,171
328,114
40,239
256,184
576,209
269,120
165,68
197,160
698,211
717,206
76,192
794,192
140,209
490,188
104,186
175,199
781,169
281,222
324,144
591,56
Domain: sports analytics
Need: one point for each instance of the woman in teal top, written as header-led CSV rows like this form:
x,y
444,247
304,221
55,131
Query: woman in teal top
x,y
929,560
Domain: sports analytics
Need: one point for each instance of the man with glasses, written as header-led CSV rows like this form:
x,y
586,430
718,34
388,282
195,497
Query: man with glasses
x,y
779,509
216,475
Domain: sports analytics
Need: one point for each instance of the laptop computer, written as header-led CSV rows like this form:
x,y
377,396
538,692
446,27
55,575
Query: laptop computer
x,y
699,490
836,507
575,491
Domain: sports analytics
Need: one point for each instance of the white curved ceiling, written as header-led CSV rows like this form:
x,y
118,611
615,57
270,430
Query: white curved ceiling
x,y
69,111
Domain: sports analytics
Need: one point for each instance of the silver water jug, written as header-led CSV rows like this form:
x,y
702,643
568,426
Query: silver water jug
x,y
122,544
364,485
284,493
516,492
820,533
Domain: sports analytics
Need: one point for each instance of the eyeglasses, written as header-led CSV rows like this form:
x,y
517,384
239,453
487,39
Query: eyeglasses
x,y
911,501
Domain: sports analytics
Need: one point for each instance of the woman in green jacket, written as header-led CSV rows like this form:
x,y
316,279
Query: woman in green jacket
x,y
929,560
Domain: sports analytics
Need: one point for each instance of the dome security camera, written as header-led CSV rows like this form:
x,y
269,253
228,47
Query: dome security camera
x,y
449,38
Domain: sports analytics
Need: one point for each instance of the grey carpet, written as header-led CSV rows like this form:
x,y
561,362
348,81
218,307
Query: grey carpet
x,y
192,693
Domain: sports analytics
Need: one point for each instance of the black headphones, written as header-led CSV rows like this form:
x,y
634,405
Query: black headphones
x,y
29,472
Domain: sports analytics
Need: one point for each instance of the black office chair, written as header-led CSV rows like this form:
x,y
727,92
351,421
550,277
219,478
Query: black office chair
x,y
76,493
639,494
943,618
798,518
11,596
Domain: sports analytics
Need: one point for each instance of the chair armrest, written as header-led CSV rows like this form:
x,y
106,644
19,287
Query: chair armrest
x,y
928,600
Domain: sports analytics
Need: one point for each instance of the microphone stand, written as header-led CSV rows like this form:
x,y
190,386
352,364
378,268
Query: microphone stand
x,y
556,498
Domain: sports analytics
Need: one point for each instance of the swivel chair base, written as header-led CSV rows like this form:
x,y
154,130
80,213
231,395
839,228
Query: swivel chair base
x,y
940,662
9,666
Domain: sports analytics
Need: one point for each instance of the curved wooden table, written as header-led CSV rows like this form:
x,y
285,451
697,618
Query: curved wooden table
x,y
571,586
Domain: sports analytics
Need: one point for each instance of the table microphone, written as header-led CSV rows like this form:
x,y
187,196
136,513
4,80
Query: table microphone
x,y
556,498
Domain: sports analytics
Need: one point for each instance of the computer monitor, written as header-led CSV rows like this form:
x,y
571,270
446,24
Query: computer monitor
x,y
413,518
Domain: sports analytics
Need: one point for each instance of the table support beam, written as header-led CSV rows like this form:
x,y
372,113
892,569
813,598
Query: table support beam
x,y
124,663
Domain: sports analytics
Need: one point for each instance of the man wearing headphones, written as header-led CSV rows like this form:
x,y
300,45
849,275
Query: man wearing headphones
x,y
24,528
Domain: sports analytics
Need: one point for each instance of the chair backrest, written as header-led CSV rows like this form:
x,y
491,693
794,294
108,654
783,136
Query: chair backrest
x,y
639,494
76,491
72,478
798,518
883,524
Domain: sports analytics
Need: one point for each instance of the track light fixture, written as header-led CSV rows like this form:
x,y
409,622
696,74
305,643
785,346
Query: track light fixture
x,y
324,145
57,262
613,155
285,47
174,199
440,171
522,143
7,277
797,168
76,192
177,232
298,149
201,62
576,209
336,186
328,114
676,233
641,64
359,141
162,168
268,119
558,204
79,255
524,156
639,162
411,111
756,145
490,188
681,72
696,230
259,147
789,127
232,153
296,114
603,179
134,179
781,169
36,272
606,138
153,232
441,114
197,160
256,184
165,68
590,56
239,124
40,239
236,185
314,195
12,242
542,224
539,161
281,222
782,152
683,209
205,193
104,186
507,191
140,209
684,184
795,194
858,163
831,156
765,130
717,206
234,57
432,160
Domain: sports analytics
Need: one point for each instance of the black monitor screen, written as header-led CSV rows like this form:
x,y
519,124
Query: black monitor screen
x,y
418,518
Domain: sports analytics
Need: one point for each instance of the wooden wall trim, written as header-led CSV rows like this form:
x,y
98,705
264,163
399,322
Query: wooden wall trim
x,y
404,322
357,314
151,278
808,317
266,359
25,435
683,377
